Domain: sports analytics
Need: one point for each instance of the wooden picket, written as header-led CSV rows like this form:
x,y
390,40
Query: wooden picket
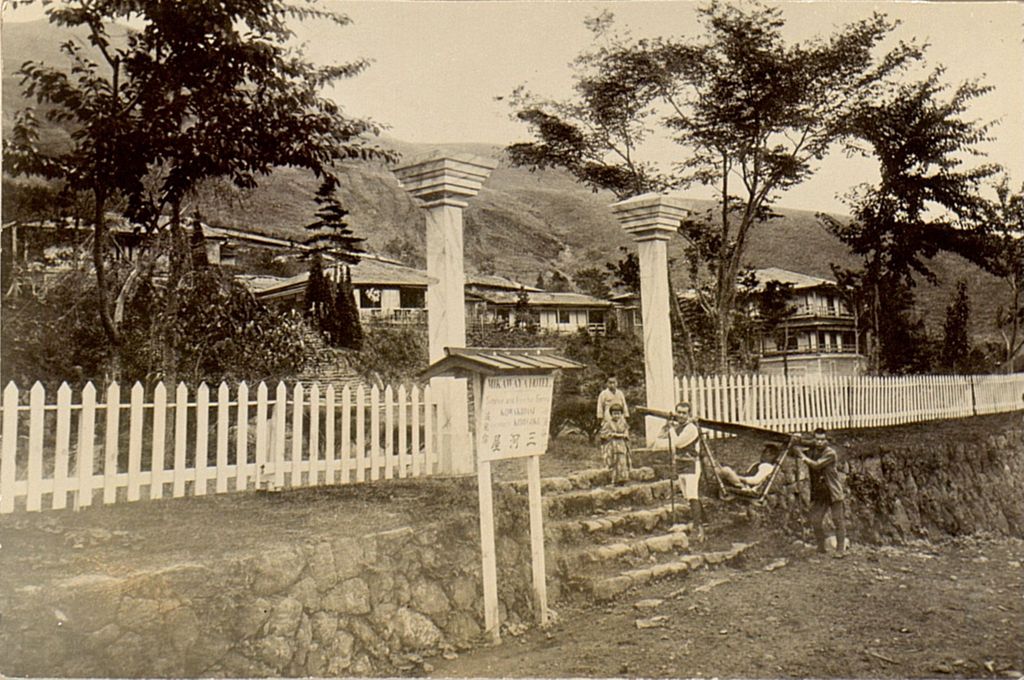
x,y
111,443
331,466
314,435
242,439
203,438
86,443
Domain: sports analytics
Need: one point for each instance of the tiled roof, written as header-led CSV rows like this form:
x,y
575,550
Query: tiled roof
x,y
495,281
543,299
797,279
368,271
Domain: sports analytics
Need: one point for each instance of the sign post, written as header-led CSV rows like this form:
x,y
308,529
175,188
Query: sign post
x,y
512,395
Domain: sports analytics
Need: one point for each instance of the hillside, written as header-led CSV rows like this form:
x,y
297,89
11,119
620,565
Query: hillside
x,y
521,223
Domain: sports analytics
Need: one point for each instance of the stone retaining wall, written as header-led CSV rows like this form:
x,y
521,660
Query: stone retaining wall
x,y
940,486
351,606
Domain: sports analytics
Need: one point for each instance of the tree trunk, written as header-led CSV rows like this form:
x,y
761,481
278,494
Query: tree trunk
x,y
176,258
99,263
677,312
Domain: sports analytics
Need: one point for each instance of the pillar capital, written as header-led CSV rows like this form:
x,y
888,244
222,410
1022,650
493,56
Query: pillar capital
x,y
445,180
651,216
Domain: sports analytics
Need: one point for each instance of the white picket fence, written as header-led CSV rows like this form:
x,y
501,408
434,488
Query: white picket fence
x,y
80,451
802,403
194,444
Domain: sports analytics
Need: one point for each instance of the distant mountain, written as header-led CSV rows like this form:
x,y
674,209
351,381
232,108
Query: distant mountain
x,y
520,224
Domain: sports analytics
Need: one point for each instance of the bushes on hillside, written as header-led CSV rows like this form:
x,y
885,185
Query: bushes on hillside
x,y
215,330
391,354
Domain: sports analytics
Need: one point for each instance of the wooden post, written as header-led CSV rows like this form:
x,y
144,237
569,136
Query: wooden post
x,y
110,445
262,435
62,447
156,460
135,415
488,554
9,448
180,436
36,427
242,438
223,399
86,445
540,587
203,438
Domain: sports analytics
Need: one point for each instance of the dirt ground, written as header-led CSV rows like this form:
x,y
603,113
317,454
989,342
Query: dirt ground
x,y
949,610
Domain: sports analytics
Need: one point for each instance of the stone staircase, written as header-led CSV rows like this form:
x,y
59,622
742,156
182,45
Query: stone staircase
x,y
602,540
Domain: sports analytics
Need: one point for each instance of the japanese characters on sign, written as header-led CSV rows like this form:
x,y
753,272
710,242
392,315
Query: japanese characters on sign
x,y
514,416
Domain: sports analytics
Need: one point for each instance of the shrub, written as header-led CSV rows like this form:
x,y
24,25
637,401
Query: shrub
x,y
391,354
215,330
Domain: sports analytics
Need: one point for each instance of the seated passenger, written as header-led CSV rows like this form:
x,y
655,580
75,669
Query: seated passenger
x,y
757,474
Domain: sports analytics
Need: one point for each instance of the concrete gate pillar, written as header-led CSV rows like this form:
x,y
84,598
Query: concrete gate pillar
x,y
443,184
653,219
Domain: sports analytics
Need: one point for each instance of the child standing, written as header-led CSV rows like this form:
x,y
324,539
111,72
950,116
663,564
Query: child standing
x,y
615,444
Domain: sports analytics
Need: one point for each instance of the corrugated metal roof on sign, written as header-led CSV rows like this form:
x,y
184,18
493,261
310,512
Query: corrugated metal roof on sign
x,y
488,360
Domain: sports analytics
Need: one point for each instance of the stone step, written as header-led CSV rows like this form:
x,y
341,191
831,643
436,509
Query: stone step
x,y
607,587
618,521
640,550
582,480
591,502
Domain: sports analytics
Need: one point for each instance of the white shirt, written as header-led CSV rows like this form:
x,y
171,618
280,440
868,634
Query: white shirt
x,y
679,439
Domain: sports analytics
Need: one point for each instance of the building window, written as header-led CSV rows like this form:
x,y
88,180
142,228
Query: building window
x,y
595,316
563,316
411,298
369,298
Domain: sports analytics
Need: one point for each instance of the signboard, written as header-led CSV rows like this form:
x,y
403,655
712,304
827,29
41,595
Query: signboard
x,y
515,413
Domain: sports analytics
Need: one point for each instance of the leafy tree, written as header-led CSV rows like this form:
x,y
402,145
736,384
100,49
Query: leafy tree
x,y
898,341
924,203
197,90
626,271
956,343
559,283
593,281
751,114
197,244
774,309
524,315
1006,218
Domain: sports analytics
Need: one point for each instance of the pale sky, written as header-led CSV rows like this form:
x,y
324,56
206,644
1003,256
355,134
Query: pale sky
x,y
438,66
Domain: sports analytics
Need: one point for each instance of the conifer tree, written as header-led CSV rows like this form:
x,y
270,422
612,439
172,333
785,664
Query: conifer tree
x,y
318,303
346,314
